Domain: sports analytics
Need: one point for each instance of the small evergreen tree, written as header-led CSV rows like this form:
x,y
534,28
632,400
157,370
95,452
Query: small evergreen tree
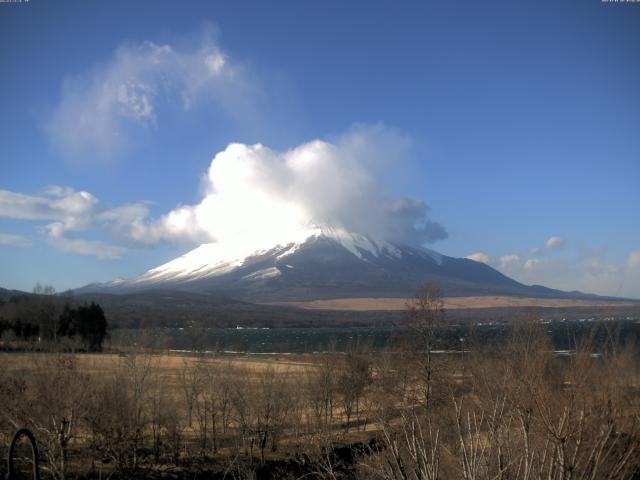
x,y
92,326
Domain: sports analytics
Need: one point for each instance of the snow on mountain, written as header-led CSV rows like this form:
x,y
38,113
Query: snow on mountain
x,y
320,262
215,259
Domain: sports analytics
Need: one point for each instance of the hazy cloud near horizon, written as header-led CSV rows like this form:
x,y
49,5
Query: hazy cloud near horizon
x,y
578,267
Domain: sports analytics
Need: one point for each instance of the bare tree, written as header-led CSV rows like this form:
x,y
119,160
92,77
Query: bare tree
x,y
424,319
121,409
190,382
353,378
321,387
163,415
412,452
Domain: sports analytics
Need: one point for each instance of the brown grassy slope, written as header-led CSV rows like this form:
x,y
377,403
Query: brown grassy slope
x,y
451,303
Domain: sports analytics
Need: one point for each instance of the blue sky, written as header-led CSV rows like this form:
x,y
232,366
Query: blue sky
x,y
516,123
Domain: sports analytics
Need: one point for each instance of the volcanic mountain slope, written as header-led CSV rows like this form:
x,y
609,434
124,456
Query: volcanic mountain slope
x,y
324,263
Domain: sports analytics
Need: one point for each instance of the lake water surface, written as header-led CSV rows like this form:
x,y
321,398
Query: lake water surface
x,y
564,336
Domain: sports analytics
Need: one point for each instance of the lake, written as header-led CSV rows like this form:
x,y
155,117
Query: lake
x,y
564,335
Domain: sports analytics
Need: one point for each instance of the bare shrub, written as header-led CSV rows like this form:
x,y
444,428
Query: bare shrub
x,y
353,377
122,409
51,401
530,415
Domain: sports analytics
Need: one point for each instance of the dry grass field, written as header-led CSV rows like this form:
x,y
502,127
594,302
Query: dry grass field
x,y
514,411
169,364
451,303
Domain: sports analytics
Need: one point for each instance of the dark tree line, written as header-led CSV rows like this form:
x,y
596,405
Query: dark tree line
x,y
86,322
46,318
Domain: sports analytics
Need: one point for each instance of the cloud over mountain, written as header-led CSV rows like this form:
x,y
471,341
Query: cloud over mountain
x,y
254,192
253,195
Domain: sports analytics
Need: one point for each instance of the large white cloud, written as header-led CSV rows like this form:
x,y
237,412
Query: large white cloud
x,y
102,111
255,191
253,195
256,194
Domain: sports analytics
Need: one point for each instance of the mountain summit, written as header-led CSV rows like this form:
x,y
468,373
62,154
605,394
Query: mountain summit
x,y
323,263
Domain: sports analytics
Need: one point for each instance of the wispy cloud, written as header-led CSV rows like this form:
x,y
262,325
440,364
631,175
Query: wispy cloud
x,y
64,240
553,244
69,212
14,240
101,111
73,209
480,257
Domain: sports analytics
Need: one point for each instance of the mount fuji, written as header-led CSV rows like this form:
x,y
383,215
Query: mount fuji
x,y
323,263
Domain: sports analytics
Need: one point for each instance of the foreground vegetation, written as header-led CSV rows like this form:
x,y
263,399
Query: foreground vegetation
x,y
514,410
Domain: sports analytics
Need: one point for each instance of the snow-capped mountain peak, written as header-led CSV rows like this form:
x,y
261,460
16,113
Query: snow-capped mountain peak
x,y
318,262
215,259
